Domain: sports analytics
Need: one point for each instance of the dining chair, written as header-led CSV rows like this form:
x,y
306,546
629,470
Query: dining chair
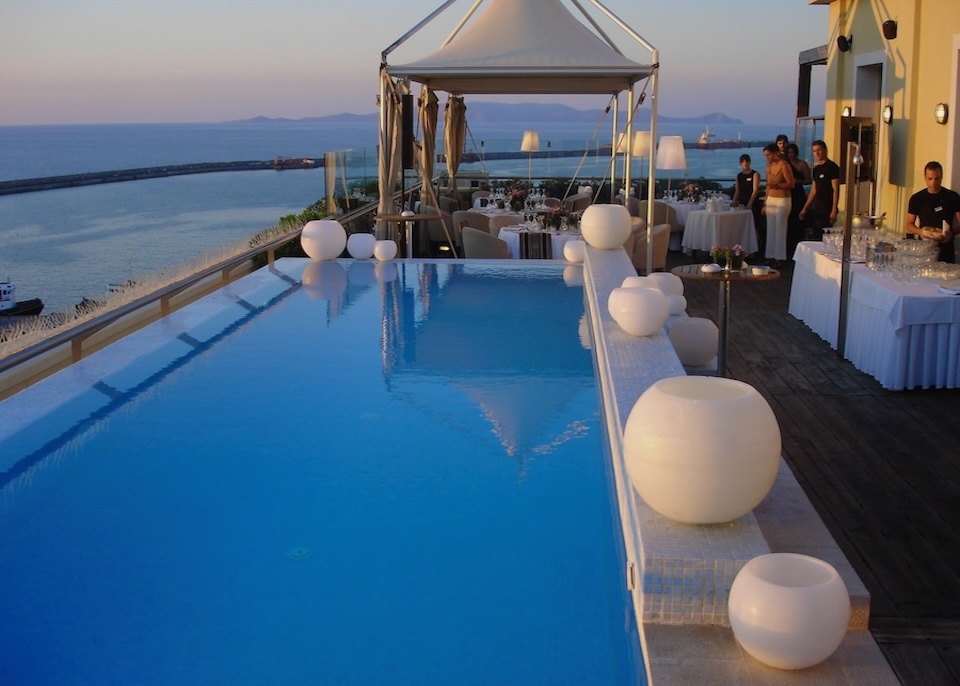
x,y
552,202
498,221
578,202
476,220
479,194
661,241
479,244
663,213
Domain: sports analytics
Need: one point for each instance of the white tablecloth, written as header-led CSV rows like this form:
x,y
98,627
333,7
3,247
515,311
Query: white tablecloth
x,y
511,236
904,335
684,209
704,230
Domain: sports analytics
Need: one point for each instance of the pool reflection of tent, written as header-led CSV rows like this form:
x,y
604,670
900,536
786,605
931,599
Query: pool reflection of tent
x,y
519,362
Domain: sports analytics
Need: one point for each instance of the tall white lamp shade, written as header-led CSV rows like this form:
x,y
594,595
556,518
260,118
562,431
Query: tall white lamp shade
x,y
670,155
530,144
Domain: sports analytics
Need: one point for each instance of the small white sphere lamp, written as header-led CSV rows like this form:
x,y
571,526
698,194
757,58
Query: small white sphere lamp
x,y
385,250
360,245
677,304
788,610
323,239
702,449
670,284
573,251
605,227
695,340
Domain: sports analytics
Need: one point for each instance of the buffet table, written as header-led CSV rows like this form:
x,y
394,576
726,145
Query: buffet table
x,y
904,335
705,229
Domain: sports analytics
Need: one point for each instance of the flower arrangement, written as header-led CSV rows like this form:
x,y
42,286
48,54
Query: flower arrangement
x,y
517,196
690,192
554,218
731,257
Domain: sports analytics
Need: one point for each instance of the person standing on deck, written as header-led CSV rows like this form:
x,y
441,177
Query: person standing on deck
x,y
776,206
746,190
798,197
937,208
821,206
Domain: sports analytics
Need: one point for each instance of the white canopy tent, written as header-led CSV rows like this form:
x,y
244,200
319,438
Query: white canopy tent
x,y
525,47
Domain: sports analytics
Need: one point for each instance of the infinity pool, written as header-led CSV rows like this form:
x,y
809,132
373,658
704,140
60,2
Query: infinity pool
x,y
326,473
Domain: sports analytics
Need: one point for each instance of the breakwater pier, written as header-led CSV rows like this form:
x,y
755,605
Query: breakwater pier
x,y
47,183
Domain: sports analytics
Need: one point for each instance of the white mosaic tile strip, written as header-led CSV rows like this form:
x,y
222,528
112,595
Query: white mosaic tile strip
x,y
685,571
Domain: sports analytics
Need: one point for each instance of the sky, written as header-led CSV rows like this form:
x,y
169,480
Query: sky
x,y
132,61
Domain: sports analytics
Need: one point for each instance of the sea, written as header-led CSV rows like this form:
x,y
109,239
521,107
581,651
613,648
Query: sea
x,y
69,244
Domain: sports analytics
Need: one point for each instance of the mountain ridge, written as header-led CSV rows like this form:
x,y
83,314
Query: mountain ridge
x,y
495,112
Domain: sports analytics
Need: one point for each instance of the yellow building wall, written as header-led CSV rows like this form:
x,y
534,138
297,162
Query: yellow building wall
x,y
912,73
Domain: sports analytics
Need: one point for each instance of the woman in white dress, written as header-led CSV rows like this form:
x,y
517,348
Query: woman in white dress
x,y
776,206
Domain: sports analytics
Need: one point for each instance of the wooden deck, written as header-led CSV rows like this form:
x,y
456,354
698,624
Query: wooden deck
x,y
881,467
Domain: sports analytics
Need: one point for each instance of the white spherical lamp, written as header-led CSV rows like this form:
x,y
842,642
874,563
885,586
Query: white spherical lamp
x,y
677,304
702,449
605,227
639,282
360,245
324,280
788,610
573,251
323,239
695,340
385,250
638,311
670,284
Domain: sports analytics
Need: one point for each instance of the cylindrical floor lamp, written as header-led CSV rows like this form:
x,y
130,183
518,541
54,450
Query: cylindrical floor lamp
x,y
530,145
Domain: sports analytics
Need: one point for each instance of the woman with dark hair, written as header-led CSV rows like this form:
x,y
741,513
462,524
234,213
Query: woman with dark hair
x,y
798,198
776,205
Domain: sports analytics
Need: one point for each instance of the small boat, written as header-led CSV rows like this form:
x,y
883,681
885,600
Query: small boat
x,y
11,307
704,142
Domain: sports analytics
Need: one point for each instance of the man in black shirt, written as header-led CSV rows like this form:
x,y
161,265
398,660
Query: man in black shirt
x,y
821,204
938,210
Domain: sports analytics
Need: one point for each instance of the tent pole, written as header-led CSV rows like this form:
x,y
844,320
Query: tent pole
x,y
652,170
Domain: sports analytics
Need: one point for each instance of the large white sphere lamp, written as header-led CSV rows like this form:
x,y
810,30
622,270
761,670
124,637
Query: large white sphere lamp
x,y
323,239
670,284
605,227
639,311
573,251
694,339
702,449
788,610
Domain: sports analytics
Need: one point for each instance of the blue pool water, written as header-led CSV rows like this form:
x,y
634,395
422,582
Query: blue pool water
x,y
328,473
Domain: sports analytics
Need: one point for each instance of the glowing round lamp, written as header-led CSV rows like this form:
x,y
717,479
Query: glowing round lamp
x,y
788,610
677,304
385,250
639,282
695,340
702,449
638,311
323,239
573,251
670,284
324,280
605,227
360,245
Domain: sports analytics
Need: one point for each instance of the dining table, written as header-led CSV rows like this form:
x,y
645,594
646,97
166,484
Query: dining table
x,y
524,242
725,278
706,229
905,334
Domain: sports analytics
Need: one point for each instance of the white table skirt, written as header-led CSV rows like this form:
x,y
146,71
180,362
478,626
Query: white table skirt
x,y
904,335
705,229
511,236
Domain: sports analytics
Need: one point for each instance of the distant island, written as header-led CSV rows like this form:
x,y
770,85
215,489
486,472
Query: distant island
x,y
496,112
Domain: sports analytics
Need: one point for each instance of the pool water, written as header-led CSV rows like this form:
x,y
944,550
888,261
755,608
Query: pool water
x,y
347,474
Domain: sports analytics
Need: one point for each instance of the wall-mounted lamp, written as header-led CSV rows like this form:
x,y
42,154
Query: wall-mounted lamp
x,y
845,42
941,113
889,28
846,112
887,114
